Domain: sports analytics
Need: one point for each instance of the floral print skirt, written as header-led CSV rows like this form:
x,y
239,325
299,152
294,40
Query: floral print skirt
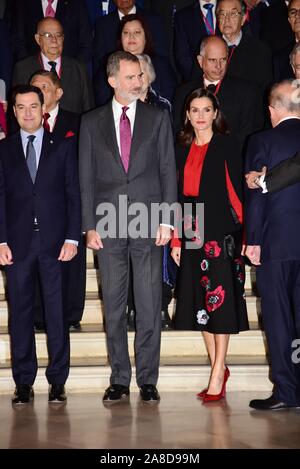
x,y
210,289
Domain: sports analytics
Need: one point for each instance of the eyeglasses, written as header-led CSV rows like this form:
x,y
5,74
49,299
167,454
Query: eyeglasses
x,y
228,14
293,13
50,36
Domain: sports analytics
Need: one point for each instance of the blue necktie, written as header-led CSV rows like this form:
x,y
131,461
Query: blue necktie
x,y
31,157
209,18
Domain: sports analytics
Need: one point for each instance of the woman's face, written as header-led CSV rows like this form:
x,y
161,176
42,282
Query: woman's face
x,y
145,76
133,37
201,113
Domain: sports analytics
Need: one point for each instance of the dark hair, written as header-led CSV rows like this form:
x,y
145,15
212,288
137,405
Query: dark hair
x,y
24,89
47,73
148,36
219,125
113,63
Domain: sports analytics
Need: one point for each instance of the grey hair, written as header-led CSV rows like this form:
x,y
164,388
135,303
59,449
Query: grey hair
x,y
281,100
206,40
242,5
149,66
295,51
113,63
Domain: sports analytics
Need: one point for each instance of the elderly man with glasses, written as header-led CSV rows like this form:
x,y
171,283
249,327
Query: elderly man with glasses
x,y
77,95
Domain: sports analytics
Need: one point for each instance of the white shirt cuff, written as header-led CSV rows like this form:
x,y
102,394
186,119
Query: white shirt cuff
x,y
71,241
263,184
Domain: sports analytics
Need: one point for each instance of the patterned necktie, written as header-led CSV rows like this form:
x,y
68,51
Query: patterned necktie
x,y
49,10
53,66
125,138
31,157
209,24
46,124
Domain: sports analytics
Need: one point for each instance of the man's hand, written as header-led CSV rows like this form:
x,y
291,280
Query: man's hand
x,y
67,252
253,177
253,254
163,235
5,255
176,254
93,240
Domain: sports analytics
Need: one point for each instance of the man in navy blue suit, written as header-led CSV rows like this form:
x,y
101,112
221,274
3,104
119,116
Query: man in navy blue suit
x,y
40,223
273,226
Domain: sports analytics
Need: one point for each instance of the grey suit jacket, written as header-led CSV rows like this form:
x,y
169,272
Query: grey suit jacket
x,y
151,174
78,94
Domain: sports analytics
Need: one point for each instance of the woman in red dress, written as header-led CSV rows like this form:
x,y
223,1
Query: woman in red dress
x,y
210,289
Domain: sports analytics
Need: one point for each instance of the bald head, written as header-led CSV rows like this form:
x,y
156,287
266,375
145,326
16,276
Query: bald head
x,y
50,37
213,58
284,101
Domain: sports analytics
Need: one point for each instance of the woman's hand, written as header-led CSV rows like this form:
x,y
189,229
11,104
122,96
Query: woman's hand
x,y
176,254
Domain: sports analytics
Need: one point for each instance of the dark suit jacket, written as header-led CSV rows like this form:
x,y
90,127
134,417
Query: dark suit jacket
x,y
72,14
6,57
282,66
284,174
66,123
78,94
252,61
151,176
189,32
275,28
54,198
239,102
273,220
106,36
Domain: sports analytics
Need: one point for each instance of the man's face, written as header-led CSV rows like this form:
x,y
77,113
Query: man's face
x,y
294,15
28,111
214,61
127,83
50,38
230,18
125,5
296,65
51,92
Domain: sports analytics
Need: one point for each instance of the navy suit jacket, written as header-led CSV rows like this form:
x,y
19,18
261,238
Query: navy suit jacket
x,y
189,31
54,198
6,57
273,220
72,14
106,36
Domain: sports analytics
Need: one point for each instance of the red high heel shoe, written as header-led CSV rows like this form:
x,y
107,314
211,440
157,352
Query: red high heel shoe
x,y
202,393
221,395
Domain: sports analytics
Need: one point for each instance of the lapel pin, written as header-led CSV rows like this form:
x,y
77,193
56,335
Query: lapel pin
x,y
51,141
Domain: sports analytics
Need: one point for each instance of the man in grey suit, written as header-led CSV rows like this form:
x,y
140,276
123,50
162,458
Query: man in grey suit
x,y
78,94
126,152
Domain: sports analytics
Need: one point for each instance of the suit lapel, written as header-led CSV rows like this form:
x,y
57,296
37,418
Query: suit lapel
x,y
142,130
108,130
18,154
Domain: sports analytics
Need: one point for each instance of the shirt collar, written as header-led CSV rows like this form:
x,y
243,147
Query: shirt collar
x,y
287,118
132,12
46,60
207,82
202,2
117,107
38,133
53,113
236,42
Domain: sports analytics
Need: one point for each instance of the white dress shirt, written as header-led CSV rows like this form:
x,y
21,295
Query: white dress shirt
x,y
46,61
52,118
131,12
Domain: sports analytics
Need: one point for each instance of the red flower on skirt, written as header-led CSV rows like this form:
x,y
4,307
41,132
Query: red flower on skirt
x,y
205,282
215,299
212,249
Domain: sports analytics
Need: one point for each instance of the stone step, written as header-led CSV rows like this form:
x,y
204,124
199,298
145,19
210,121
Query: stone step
x,y
90,343
94,307
92,278
171,379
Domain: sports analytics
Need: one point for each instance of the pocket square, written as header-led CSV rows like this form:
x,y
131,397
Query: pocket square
x,y
69,134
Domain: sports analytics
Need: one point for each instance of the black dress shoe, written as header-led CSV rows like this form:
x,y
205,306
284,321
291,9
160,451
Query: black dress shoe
x,y
149,393
269,404
23,394
74,327
116,392
57,394
166,322
130,319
